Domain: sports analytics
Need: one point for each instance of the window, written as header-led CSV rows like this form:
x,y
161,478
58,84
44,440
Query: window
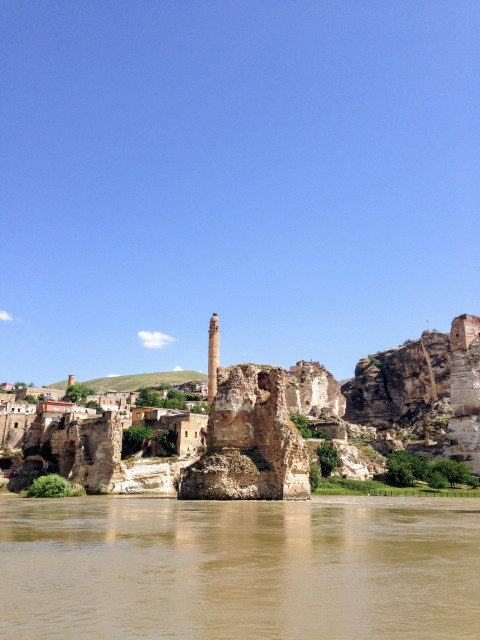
x,y
186,434
15,426
138,415
195,434
56,408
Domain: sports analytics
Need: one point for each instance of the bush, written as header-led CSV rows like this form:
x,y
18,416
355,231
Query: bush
x,y
168,441
315,475
133,439
328,458
322,435
30,399
301,422
399,473
473,482
437,481
93,404
51,486
198,408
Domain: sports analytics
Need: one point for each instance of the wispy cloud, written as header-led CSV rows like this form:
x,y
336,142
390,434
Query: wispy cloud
x,y
5,316
177,368
154,339
113,375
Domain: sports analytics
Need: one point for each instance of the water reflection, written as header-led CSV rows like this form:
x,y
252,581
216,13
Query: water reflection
x,y
144,567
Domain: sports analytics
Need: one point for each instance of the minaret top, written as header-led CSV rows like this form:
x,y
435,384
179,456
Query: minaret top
x,y
214,323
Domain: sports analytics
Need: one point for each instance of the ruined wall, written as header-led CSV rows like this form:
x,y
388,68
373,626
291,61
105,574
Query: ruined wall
x,y
399,385
253,449
311,388
464,426
89,451
13,429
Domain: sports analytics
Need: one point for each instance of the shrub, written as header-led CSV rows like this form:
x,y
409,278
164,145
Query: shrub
x,y
198,408
375,361
328,458
473,482
93,404
315,475
51,486
322,435
133,439
30,399
301,422
437,481
168,441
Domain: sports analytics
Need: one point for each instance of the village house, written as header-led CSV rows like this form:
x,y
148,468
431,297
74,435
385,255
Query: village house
x,y
6,386
16,407
49,394
51,410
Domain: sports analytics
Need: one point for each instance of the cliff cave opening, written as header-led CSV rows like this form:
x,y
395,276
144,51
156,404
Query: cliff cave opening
x,y
68,459
263,381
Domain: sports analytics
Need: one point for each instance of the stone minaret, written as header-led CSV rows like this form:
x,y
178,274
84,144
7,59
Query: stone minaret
x,y
213,357
71,380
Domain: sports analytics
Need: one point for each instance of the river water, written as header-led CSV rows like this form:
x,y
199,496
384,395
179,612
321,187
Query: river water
x,y
147,567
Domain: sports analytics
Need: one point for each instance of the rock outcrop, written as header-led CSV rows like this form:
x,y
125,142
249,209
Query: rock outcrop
x,y
397,386
89,451
253,449
464,426
311,388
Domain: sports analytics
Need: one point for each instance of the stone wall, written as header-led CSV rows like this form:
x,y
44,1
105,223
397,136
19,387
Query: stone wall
x,y
253,449
13,429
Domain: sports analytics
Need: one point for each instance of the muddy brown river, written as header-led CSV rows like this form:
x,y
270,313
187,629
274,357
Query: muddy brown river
x,y
147,567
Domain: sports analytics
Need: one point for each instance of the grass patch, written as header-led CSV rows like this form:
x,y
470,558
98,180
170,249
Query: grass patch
x,y
341,486
133,382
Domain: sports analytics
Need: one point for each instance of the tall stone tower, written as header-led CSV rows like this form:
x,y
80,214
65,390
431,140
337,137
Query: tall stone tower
x,y
71,380
213,357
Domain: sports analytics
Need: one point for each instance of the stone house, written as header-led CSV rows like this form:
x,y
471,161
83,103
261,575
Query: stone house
x,y
6,386
49,394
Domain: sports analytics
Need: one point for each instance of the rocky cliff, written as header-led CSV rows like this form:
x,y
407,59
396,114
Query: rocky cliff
x,y
311,388
464,425
253,449
399,385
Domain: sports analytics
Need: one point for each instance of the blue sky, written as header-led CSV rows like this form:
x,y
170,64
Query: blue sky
x,y
307,170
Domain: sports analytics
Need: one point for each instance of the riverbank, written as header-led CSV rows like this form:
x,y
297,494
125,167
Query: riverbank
x,y
341,486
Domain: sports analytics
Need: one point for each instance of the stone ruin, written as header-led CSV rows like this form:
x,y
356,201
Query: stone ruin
x,y
254,452
312,390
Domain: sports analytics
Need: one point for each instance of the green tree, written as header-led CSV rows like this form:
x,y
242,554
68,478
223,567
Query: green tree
x,y
168,440
93,404
30,399
193,397
302,424
133,440
455,472
322,435
328,458
315,475
75,392
438,480
419,467
148,398
473,482
51,486
41,398
19,385
198,408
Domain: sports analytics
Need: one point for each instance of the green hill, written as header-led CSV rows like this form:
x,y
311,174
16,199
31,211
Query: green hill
x,y
134,382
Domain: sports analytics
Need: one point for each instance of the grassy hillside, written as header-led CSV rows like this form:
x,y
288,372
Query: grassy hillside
x,y
131,383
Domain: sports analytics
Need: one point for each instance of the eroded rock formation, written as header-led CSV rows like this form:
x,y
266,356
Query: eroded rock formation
x,y
464,426
398,386
253,449
311,388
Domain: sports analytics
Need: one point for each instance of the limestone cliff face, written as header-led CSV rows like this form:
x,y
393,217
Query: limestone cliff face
x,y
149,475
464,427
89,451
398,385
253,449
311,388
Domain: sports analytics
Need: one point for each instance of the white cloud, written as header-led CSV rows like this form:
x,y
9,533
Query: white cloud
x,y
177,368
154,339
7,317
113,375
